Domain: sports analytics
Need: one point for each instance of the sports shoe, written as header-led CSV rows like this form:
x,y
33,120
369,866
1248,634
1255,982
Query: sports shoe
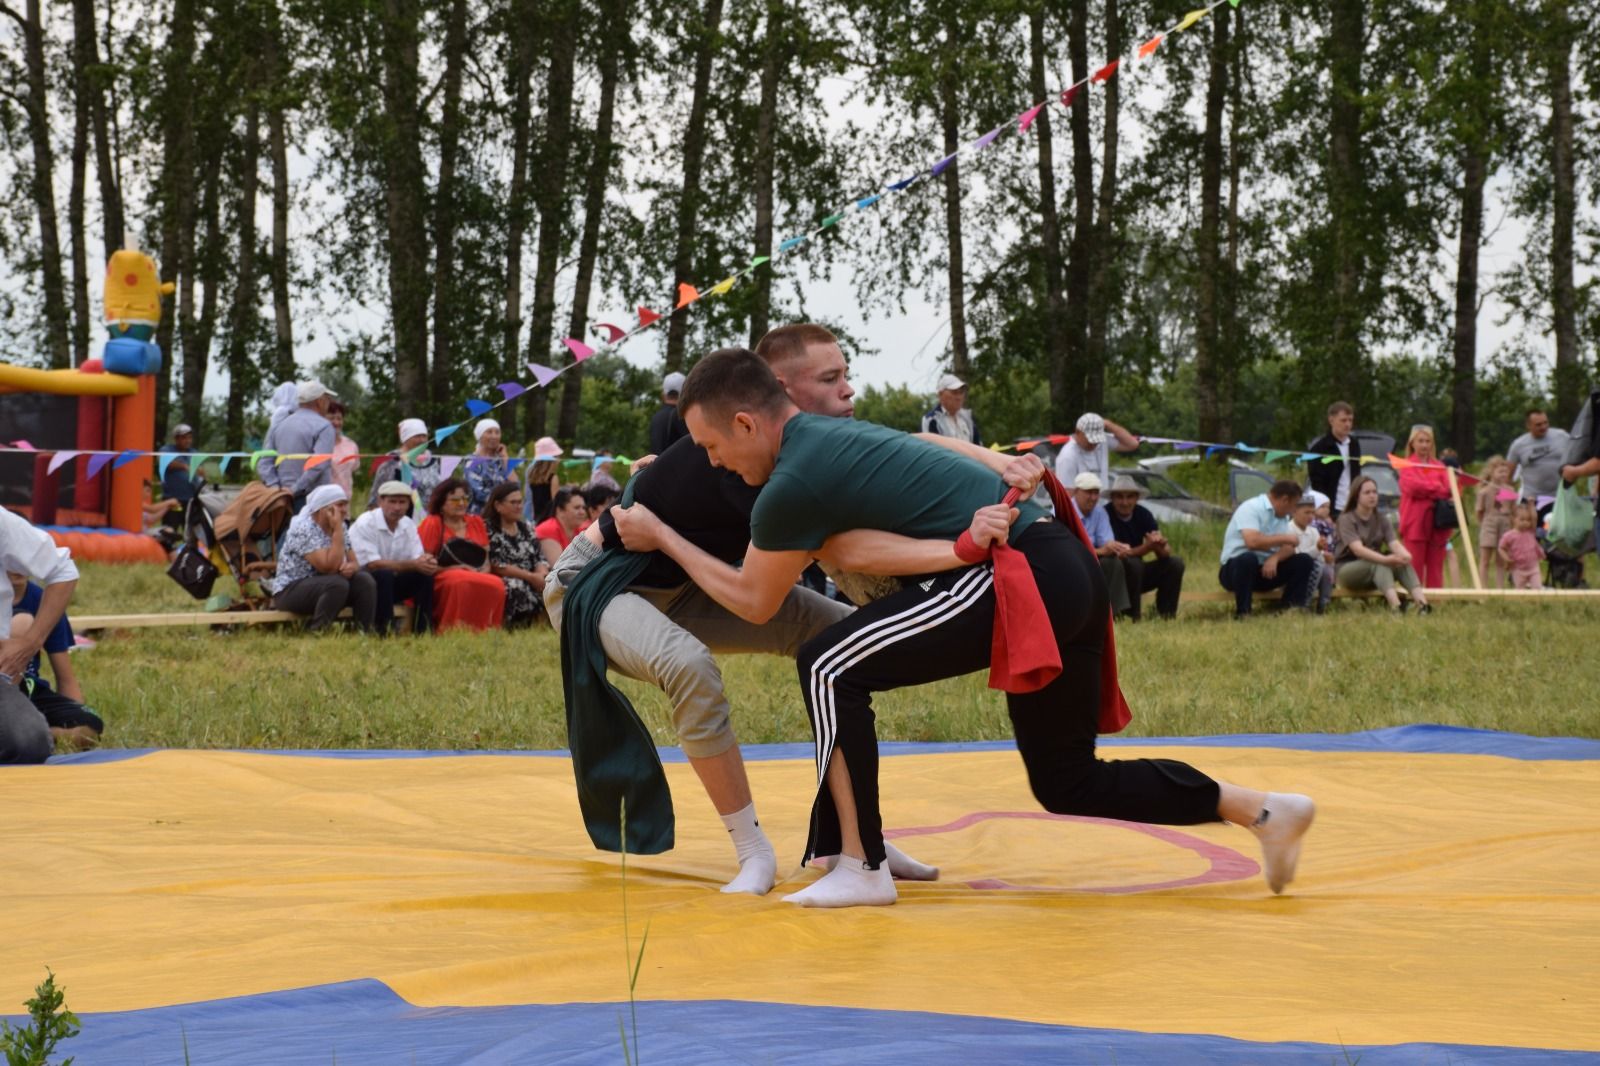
x,y
1284,820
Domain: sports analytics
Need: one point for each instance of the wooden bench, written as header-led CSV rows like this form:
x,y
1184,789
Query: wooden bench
x,y
83,623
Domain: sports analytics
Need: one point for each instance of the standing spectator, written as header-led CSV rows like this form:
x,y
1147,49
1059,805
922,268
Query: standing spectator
x,y
600,475
1538,456
424,469
1088,449
387,545
514,555
176,483
1521,551
544,478
1133,524
346,452
71,723
568,512
24,734
665,425
489,464
1583,453
1333,479
1259,551
305,432
950,417
1108,550
317,572
1422,486
1493,507
465,593
1370,555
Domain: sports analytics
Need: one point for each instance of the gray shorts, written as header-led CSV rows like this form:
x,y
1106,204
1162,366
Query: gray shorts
x,y
667,637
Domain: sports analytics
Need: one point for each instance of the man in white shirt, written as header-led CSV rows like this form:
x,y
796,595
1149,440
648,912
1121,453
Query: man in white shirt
x,y
387,546
24,733
1538,455
1089,449
950,418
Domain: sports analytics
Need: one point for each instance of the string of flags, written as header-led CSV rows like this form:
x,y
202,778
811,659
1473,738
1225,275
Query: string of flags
x,y
616,335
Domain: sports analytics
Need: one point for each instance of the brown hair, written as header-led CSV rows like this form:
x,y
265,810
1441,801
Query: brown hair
x,y
1355,491
1285,489
1339,407
731,380
790,342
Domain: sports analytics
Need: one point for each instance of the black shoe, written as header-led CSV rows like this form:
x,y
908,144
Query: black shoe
x,y
1426,608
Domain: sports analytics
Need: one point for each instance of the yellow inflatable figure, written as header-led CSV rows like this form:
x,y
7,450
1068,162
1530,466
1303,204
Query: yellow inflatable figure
x,y
133,295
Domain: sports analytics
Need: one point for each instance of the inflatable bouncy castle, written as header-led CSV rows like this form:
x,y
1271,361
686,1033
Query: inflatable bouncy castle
x,y
103,409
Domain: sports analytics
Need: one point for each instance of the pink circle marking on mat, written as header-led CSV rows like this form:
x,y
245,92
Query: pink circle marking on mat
x,y
1225,863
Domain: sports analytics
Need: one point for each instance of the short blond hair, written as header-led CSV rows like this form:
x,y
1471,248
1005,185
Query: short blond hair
x,y
1417,433
785,343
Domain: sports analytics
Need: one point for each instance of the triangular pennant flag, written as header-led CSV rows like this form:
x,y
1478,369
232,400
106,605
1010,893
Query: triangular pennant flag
x,y
758,260
580,351
792,242
478,408
510,389
1105,72
1233,3
59,460
1213,449
440,434
721,288
867,201
1060,438
448,464
1025,119
1309,457
280,460
987,139
613,334
944,164
1274,456
687,294
222,468
1191,18
406,477
1247,449
545,375
348,459
647,316
97,463
257,456
372,468
830,220
125,458
1149,46
1069,94
22,445
317,460
904,182
194,467
1184,445
514,462
165,461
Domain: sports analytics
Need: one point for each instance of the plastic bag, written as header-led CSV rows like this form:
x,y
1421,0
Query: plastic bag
x,y
1571,519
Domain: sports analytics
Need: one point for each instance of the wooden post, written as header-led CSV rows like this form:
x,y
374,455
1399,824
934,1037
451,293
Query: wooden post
x,y
1466,534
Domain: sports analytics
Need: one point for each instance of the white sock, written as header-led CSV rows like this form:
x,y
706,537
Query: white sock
x,y
1284,819
901,865
758,863
849,884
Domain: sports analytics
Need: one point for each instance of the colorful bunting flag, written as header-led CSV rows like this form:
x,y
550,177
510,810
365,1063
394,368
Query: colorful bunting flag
x,y
867,201
687,294
161,466
125,458
944,164
511,389
222,468
257,456
1069,94
317,460
479,408
97,463
372,468
1276,456
987,139
545,375
24,445
758,260
440,434
60,459
722,287
1148,47
1025,119
613,334
448,464
1105,72
646,316
905,182
792,242
581,351
1192,17
830,220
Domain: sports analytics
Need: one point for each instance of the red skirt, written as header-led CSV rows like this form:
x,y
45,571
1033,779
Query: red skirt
x,y
463,597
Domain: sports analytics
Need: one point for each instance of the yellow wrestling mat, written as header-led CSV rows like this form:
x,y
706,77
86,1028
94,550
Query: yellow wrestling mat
x,y
1443,899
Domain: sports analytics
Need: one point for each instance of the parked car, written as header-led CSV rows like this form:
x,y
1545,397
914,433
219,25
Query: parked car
x,y
1168,501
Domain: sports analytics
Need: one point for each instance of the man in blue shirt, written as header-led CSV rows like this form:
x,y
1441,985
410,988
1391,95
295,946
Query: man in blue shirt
x,y
176,483
1258,551
306,432
1108,551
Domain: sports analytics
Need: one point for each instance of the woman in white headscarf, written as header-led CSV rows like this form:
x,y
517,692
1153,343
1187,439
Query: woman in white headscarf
x,y
488,465
283,404
422,471
317,570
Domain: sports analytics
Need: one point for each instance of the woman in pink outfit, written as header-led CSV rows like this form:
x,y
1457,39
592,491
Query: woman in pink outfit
x,y
1420,487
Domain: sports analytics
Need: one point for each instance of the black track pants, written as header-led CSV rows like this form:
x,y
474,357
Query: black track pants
x,y
944,628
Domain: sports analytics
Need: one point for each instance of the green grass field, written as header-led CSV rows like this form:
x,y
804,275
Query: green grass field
x,y
1518,666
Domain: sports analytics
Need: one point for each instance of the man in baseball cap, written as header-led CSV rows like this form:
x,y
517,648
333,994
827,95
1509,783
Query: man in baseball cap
x,y
950,417
388,547
306,432
665,425
1089,449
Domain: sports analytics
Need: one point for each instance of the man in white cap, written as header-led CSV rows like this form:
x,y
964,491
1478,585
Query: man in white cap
x,y
665,425
175,482
306,432
1133,524
317,572
1108,550
489,464
950,417
1088,449
387,546
421,471
24,733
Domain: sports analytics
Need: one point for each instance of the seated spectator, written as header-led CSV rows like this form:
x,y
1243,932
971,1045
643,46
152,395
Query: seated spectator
x,y
465,593
24,734
346,452
317,572
1259,551
601,476
176,483
389,548
1520,550
514,555
1496,499
72,724
1370,555
424,469
568,513
1089,447
1423,486
1133,524
598,498
489,464
1311,543
1109,550
544,478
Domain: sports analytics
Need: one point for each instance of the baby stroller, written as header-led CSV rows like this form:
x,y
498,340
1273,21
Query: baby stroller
x,y
245,538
